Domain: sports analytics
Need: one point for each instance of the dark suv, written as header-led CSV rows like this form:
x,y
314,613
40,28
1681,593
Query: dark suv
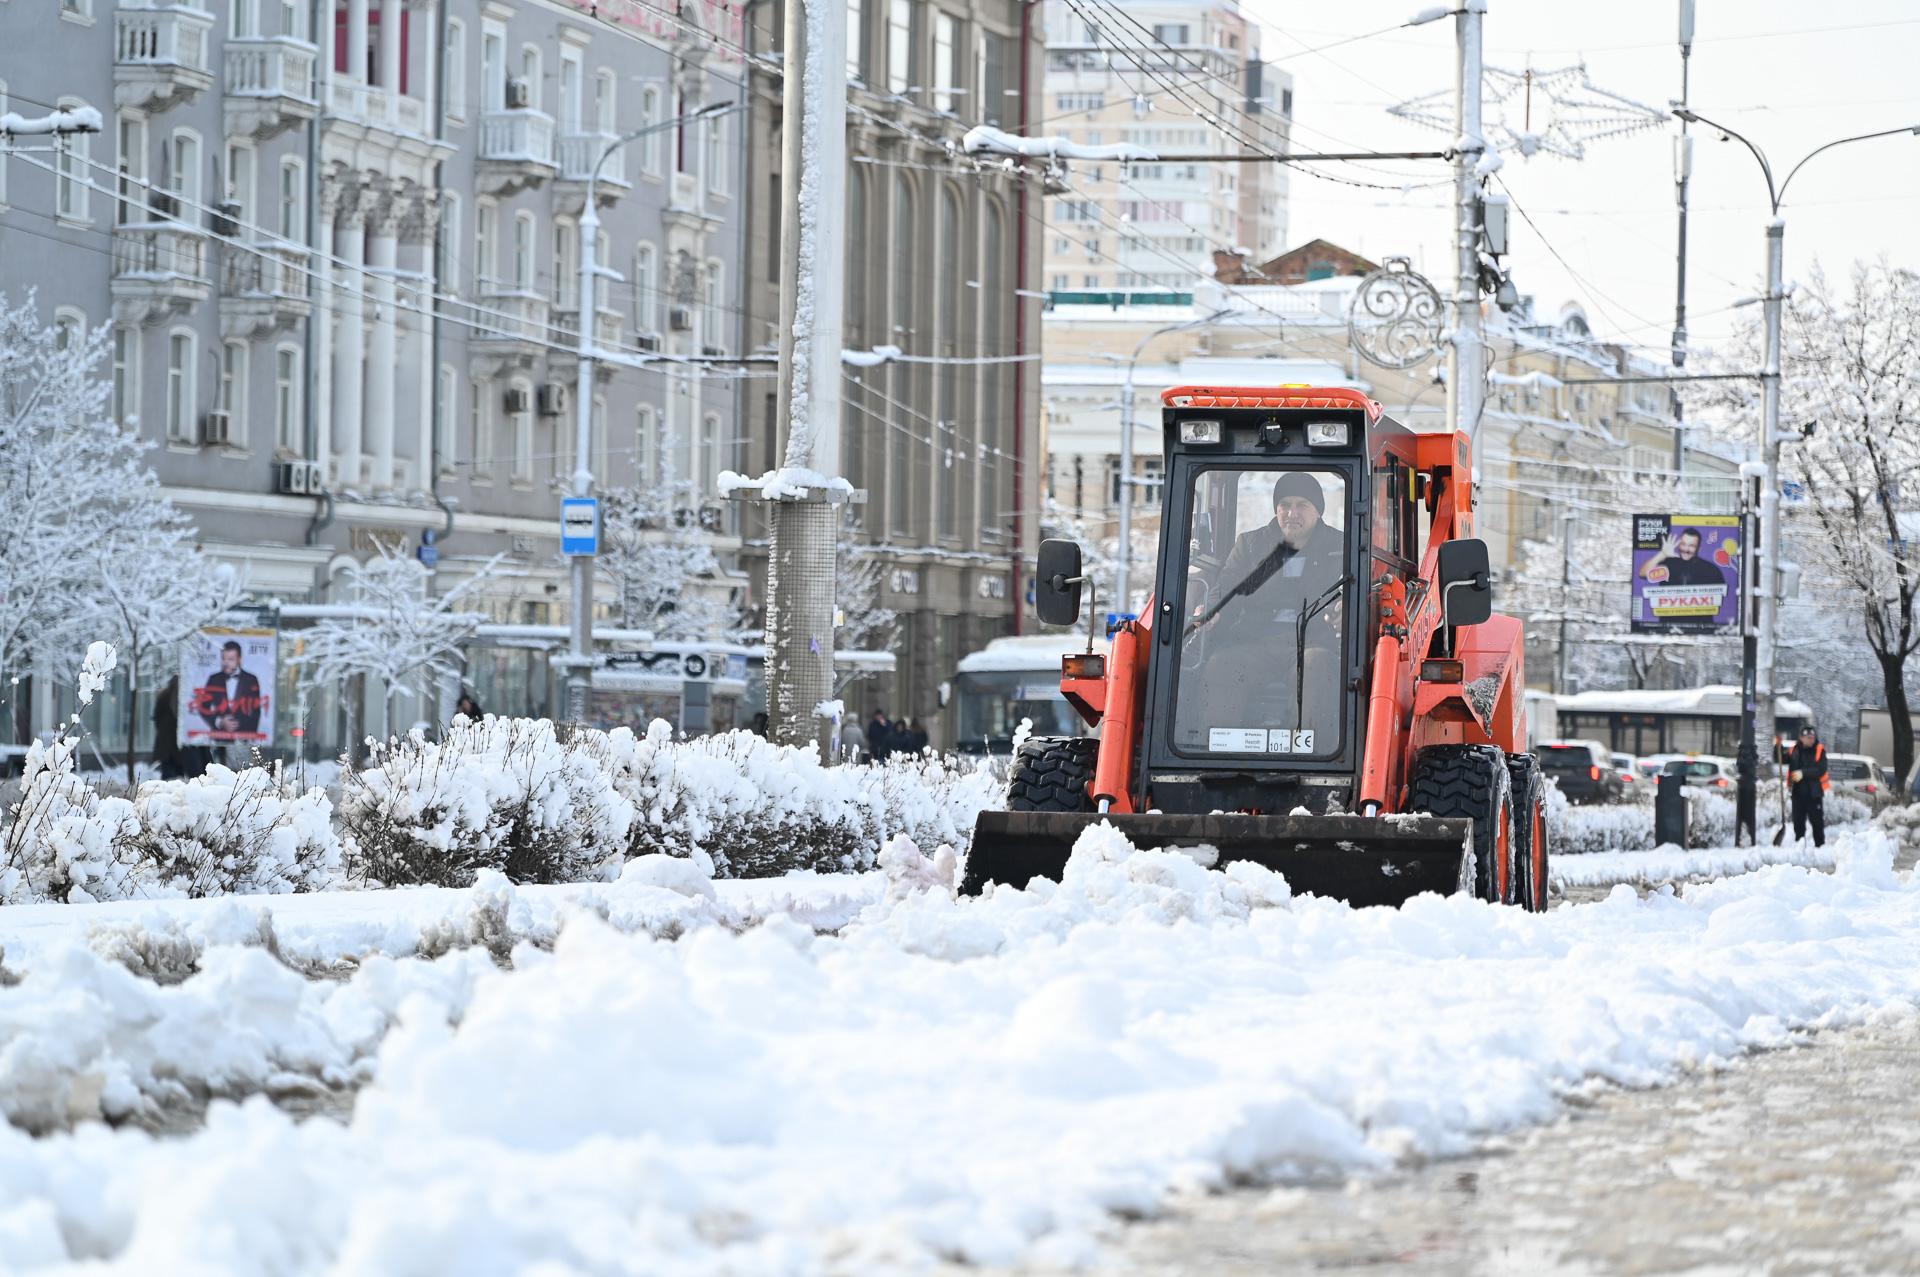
x,y
1582,768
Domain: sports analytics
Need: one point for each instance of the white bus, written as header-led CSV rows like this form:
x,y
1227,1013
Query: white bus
x,y
1008,680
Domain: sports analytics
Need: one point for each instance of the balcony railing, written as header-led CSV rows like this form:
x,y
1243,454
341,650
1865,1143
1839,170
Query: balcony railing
x,y
265,270
160,56
161,254
609,328
510,315
379,108
270,67
523,136
579,152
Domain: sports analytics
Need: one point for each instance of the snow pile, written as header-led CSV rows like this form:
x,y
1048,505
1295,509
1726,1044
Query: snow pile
x,y
1903,823
61,838
972,1082
1668,863
785,484
504,794
1711,821
227,832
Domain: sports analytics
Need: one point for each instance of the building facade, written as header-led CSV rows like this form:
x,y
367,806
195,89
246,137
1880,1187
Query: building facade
x,y
943,256
337,243
1145,79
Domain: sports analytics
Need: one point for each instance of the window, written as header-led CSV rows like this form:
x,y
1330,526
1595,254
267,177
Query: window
x,y
126,376
714,326
707,459
233,389
445,414
240,20
856,40
646,446
1170,32
646,290
287,425
180,425
480,424
570,90
181,174
293,201
523,229
493,68
530,74
485,215
69,328
523,434
240,186
996,57
605,88
899,45
70,201
715,132
453,69
446,244
76,8
597,436
946,64
293,21
132,166
565,270
650,142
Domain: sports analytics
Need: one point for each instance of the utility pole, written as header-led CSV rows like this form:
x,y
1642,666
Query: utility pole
x,y
802,499
1745,831
1466,360
1682,173
1566,601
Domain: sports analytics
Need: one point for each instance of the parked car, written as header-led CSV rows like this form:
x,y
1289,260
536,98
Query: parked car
x,y
1631,782
1859,775
1583,769
1709,771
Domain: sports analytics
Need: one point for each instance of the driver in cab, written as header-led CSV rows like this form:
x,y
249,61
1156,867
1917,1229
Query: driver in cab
x,y
1274,575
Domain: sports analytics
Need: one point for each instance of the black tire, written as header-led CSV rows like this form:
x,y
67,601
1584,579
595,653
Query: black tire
x,y
1530,842
1472,781
1051,773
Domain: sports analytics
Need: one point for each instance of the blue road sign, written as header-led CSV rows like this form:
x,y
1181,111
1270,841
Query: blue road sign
x,y
1115,618
579,525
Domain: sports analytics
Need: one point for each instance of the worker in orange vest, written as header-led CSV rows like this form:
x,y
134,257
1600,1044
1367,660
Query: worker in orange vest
x,y
1807,773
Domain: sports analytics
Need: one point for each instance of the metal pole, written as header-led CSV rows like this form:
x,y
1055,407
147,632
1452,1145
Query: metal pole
x,y
1566,602
1466,364
1682,172
580,640
1749,759
1123,571
804,528
1767,571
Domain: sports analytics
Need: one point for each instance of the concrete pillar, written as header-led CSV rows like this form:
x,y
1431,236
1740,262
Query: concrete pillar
x,y
382,348
349,356
389,70
357,41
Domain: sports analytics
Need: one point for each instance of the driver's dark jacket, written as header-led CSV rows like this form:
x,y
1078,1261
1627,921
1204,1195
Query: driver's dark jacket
x,y
1275,581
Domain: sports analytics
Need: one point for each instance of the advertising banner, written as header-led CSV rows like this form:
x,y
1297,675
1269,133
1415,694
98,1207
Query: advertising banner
x,y
227,677
1686,573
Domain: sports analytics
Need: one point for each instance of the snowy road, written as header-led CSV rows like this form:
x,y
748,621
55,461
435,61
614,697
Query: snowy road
x,y
995,1081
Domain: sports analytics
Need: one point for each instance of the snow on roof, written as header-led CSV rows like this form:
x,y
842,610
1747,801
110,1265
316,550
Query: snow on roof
x,y
1720,700
1026,652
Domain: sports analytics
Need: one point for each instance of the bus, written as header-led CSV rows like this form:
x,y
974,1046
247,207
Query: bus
x,y
1687,720
1012,679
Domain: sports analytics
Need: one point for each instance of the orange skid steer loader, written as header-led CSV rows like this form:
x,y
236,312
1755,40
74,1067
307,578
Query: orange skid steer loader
x,y
1318,682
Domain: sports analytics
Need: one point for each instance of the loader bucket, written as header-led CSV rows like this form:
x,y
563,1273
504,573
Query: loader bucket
x,y
1363,860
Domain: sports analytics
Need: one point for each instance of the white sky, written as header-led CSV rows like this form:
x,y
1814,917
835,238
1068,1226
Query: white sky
x,y
1790,76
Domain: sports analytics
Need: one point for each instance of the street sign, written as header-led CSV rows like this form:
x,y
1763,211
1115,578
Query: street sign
x,y
579,525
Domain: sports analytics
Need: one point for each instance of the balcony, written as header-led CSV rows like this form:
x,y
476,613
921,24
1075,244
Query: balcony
x,y
263,287
687,204
160,57
609,329
577,153
269,86
159,269
516,150
514,322
373,107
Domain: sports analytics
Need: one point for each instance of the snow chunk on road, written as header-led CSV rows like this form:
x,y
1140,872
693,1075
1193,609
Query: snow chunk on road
x,y
980,1081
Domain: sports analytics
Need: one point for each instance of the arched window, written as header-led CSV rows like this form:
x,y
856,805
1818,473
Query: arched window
x,y
183,172
453,69
521,420
605,88
714,325
233,390
181,347
530,74
708,460
288,427
293,201
446,244
521,278
126,376
486,262
70,200
646,446
566,268
480,429
646,290
650,142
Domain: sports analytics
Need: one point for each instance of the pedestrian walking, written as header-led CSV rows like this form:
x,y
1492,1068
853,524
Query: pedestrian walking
x,y
909,737
853,742
167,754
879,735
1807,774
469,707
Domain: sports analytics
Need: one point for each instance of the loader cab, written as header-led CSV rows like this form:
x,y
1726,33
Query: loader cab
x,y
1281,511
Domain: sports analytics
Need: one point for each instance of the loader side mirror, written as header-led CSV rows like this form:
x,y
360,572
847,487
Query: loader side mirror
x,y
1466,581
1057,582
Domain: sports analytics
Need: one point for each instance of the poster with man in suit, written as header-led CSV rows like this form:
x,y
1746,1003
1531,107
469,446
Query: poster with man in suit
x,y
229,673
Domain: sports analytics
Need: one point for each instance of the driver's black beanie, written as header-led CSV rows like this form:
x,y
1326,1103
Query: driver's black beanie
x,y
1295,484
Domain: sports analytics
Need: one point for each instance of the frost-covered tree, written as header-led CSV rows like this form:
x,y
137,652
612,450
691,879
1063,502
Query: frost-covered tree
x,y
657,568
865,623
1100,551
1850,369
398,628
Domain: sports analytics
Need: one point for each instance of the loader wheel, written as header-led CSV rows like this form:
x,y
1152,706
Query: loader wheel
x,y
1051,773
1529,832
1471,780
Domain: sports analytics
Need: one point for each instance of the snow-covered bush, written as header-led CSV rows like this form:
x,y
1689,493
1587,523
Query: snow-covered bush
x,y
249,832
1902,822
930,798
504,794
62,839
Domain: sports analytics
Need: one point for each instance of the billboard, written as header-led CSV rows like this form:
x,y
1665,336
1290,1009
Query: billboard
x,y
1686,573
227,677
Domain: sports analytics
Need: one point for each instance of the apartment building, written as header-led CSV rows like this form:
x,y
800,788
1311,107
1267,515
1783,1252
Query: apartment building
x,y
337,244
1180,79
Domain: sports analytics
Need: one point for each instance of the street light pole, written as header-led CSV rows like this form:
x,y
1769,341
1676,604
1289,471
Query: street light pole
x,y
1759,658
1466,361
579,661
1123,569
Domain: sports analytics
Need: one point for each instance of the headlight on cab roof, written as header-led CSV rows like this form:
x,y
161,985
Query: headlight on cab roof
x,y
1327,434
1199,432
